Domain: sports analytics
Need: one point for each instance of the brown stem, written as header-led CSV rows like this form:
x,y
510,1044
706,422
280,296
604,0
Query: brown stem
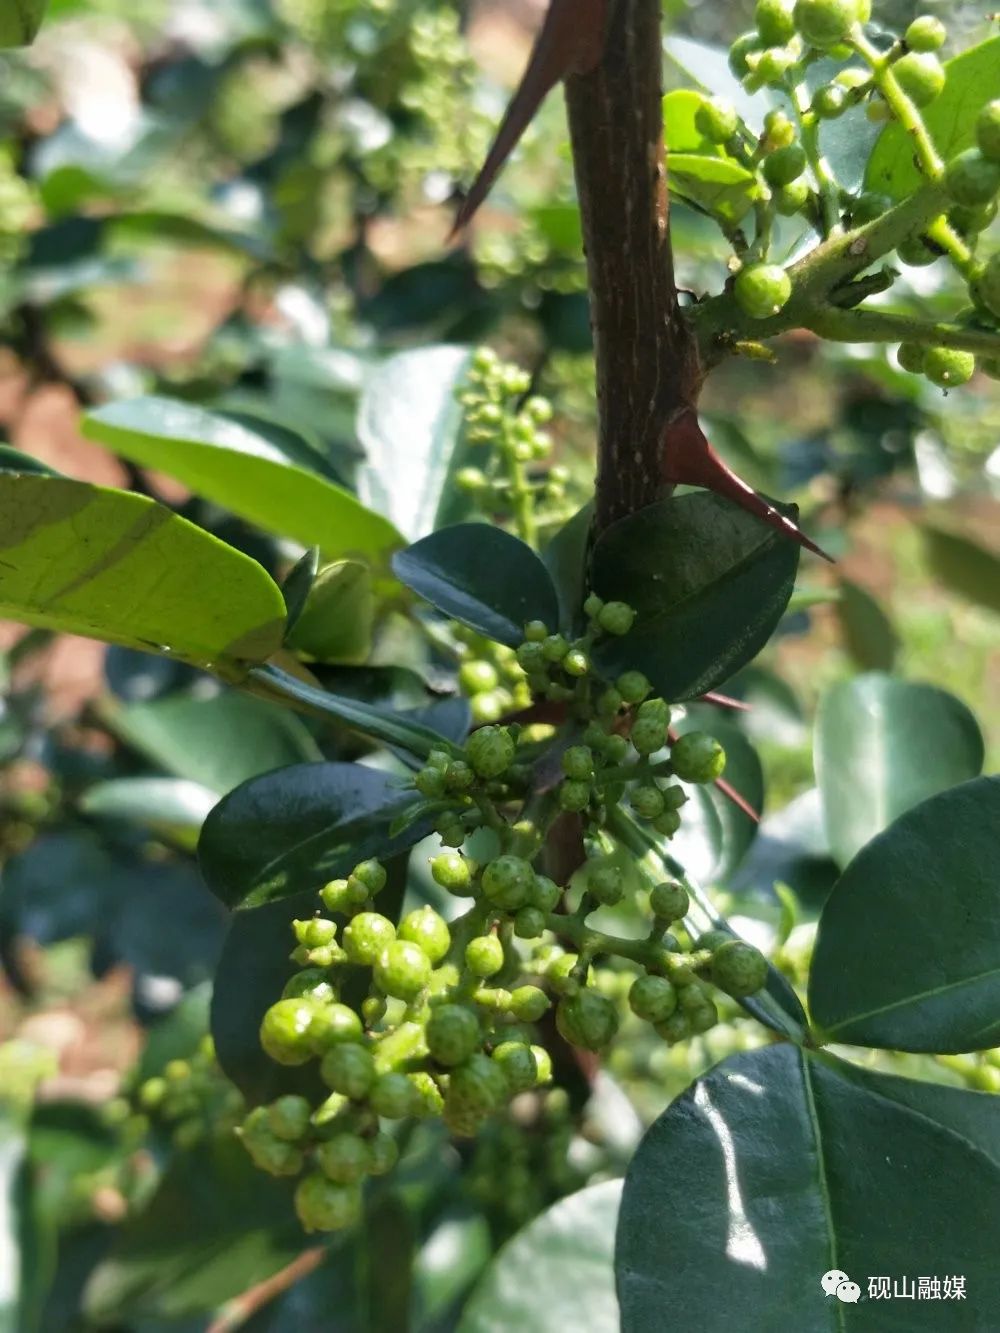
x,y
647,364
241,1309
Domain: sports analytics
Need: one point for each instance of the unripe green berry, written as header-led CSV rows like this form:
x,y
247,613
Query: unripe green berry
x,y
675,1028
762,290
477,677
507,882
335,896
972,178
427,1100
674,797
383,1154
315,932
275,1157
531,657
545,894
528,1004
371,874
716,119
574,796
988,131
712,940
925,34
332,1024
312,983
916,252
697,757
972,221
478,1086
578,762
775,21
648,736
738,969
824,23
392,1096
535,631
592,606
518,1065
615,749
587,1019
484,956
576,663
647,801
792,199
770,67
779,130
366,936
288,1118
453,1033
323,1206
529,923
829,101
344,1159
559,974
652,999
452,834
784,165
402,970
948,367
555,647
284,1031
429,931
543,1063
616,618
910,357
920,75
471,480
744,46
702,1017
489,707
490,751
669,901
452,872
429,782
868,207
348,1068
606,884
633,687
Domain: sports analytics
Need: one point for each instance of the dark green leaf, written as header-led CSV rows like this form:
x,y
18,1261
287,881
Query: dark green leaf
x,y
964,566
264,473
776,1169
709,583
215,1226
410,426
336,622
394,729
908,950
295,829
217,742
556,1274
483,577
881,746
565,558
297,584
973,79
868,633
117,566
13,460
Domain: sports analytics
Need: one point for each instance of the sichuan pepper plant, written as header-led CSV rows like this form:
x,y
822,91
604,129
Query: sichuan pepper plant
x,y
570,661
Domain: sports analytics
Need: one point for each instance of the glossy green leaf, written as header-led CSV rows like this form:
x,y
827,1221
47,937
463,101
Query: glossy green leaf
x,y
294,829
214,1227
881,746
174,808
709,583
972,80
382,724
219,741
779,1167
297,585
716,834
718,185
908,950
410,426
20,20
262,472
483,577
117,566
253,970
556,1274
335,624
868,633
963,566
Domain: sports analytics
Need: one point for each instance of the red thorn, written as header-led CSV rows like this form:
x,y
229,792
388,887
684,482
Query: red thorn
x,y
725,701
690,460
571,41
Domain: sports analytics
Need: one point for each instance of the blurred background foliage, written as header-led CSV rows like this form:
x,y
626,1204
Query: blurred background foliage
x,y
243,203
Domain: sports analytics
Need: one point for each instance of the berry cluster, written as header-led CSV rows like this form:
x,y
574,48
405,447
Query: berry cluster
x,y
191,1099
425,1018
507,422
490,675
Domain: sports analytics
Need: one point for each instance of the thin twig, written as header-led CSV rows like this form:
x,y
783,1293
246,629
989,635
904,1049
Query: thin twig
x,y
235,1313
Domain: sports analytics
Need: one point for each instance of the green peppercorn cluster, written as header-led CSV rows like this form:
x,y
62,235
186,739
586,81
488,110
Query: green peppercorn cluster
x,y
190,1099
506,422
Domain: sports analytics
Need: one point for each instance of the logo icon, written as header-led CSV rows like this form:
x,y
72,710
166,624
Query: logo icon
x,y
837,1283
